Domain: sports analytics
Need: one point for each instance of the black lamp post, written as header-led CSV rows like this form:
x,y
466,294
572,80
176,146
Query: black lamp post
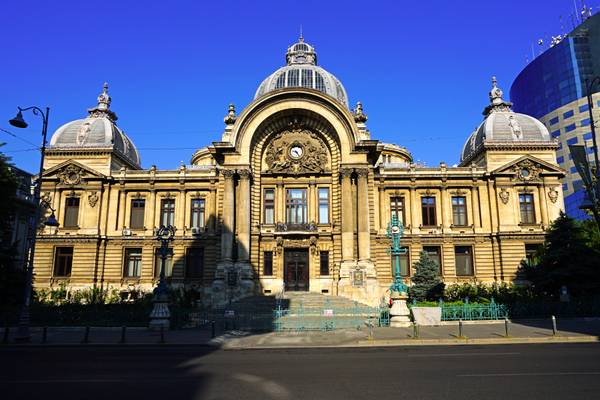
x,y
593,187
159,317
23,333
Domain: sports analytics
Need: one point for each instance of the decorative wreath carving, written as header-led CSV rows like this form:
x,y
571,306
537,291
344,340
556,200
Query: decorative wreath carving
x,y
71,175
296,151
526,171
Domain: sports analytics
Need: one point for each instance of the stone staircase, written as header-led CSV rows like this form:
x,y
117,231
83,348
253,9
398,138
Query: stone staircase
x,y
296,311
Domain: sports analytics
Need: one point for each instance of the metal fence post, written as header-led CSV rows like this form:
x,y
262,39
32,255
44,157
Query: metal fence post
x,y
505,326
123,334
460,329
86,335
6,333
415,330
554,330
213,332
44,334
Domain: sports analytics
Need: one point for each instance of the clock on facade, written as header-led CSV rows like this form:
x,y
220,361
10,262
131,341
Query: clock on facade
x,y
296,151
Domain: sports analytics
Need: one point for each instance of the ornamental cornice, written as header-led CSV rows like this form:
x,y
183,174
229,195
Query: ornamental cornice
x,y
362,172
227,173
346,172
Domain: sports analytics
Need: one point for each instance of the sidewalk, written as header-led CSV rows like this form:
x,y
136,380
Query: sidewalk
x,y
522,331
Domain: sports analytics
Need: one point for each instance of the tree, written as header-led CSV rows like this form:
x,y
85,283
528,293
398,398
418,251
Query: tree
x,y
568,258
427,284
11,278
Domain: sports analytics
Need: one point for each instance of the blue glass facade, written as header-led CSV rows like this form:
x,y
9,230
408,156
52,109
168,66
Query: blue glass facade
x,y
557,78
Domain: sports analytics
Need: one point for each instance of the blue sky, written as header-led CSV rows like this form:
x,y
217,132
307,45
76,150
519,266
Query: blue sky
x,y
421,68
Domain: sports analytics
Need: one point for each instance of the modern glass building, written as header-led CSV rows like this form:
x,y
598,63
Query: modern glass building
x,y
552,88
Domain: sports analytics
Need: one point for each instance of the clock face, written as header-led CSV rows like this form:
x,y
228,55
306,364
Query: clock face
x,y
296,151
395,229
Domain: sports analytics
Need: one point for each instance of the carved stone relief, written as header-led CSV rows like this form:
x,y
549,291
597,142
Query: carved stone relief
x,y
296,151
504,195
71,175
93,199
553,195
526,171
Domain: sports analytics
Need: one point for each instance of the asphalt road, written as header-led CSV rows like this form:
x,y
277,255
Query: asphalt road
x,y
551,371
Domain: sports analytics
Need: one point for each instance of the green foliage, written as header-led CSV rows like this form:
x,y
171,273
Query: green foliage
x,y
11,278
569,258
427,284
479,292
88,296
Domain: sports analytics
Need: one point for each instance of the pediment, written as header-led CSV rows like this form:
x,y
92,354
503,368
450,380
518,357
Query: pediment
x,y
528,169
71,173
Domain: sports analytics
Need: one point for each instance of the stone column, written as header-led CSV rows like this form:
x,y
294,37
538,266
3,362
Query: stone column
x,y
181,216
382,210
414,209
151,223
228,215
543,205
279,203
475,207
364,235
212,215
243,208
347,216
122,209
446,209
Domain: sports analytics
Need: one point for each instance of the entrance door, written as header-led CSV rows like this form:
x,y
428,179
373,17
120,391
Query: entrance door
x,y
296,270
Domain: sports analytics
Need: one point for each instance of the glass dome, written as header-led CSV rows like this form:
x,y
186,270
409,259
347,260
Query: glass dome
x,y
302,71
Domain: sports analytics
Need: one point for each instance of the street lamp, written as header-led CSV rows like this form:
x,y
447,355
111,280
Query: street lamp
x,y
159,317
23,333
398,290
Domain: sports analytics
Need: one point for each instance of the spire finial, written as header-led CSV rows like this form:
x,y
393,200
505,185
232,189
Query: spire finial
x,y
230,117
301,35
497,103
359,115
102,109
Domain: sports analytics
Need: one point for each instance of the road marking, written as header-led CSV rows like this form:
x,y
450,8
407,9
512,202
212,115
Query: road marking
x,y
461,355
528,374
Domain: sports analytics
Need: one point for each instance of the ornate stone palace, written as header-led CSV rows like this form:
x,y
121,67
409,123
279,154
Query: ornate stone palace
x,y
295,196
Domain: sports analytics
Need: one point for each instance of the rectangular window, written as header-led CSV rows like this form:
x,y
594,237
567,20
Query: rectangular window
x,y
527,210
198,213
570,128
269,206
555,133
531,251
323,205
138,207
132,266
554,121
587,136
268,263
167,212
584,108
428,211
560,160
168,263
463,257
568,114
296,206
71,212
459,210
194,262
572,140
324,263
585,122
404,263
565,187
63,261
435,253
397,208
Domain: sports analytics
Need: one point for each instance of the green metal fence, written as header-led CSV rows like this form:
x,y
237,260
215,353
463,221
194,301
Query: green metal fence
x,y
472,311
328,317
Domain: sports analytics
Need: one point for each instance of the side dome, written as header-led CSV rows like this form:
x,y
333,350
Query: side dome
x,y
97,130
302,71
502,125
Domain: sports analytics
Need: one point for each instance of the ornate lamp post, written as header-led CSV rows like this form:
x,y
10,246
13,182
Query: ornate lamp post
x,y
398,290
23,333
159,317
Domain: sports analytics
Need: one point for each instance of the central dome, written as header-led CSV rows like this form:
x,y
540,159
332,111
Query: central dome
x,y
302,71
